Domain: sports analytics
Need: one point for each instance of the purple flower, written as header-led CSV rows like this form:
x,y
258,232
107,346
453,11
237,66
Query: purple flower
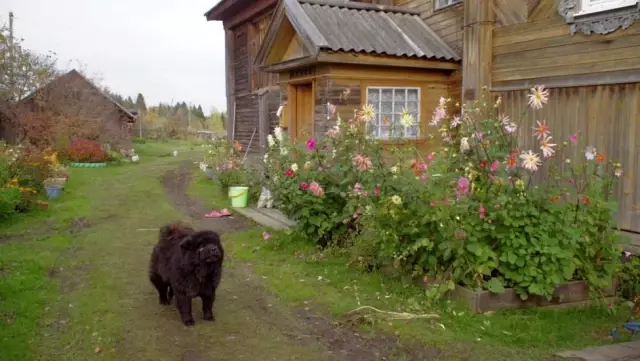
x,y
463,185
311,144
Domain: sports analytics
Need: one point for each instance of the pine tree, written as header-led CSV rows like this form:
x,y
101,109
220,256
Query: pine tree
x,y
141,105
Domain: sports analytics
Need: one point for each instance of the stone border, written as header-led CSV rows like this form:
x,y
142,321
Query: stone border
x,y
88,165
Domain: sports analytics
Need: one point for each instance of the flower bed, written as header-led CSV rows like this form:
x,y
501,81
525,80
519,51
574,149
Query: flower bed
x,y
479,212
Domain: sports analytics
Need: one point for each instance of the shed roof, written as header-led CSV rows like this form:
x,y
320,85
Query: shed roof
x,y
368,28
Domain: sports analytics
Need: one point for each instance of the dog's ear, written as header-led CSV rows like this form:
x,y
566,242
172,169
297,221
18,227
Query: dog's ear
x,y
189,243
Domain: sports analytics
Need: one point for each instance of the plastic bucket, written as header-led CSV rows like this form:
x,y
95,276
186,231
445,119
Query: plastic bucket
x,y
239,196
53,192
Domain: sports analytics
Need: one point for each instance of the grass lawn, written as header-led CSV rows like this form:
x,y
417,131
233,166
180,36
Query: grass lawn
x,y
73,286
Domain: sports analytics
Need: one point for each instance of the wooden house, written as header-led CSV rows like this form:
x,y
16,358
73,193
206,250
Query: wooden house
x,y
304,53
78,100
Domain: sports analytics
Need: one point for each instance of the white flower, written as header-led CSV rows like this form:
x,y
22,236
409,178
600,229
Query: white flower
x,y
464,145
294,167
284,151
407,119
394,169
278,133
271,141
530,161
546,147
265,158
333,153
618,172
396,200
455,122
568,161
538,97
590,153
135,158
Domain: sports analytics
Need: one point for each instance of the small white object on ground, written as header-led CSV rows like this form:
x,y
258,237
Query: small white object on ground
x,y
265,200
175,153
135,158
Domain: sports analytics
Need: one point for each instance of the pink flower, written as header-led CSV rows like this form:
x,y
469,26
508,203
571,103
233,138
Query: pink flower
x,y
463,185
376,191
357,188
482,212
315,189
333,132
289,172
573,138
361,162
311,144
304,186
480,135
627,255
494,166
430,157
265,235
357,214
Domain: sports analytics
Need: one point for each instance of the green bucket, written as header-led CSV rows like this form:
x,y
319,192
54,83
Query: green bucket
x,y
239,196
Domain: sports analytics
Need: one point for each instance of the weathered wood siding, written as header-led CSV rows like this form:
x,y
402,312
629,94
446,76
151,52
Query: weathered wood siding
x,y
447,23
594,81
606,117
542,50
332,91
253,101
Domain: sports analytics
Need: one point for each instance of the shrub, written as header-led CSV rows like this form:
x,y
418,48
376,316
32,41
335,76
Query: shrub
x,y
489,215
319,183
86,151
9,201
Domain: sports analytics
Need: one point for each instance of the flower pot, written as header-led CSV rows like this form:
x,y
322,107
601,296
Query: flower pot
x,y
239,196
53,191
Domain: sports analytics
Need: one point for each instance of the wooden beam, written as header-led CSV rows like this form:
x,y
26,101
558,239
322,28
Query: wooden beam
x,y
387,61
477,48
230,82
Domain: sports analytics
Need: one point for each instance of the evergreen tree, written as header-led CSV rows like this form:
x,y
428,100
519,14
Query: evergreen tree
x,y
140,103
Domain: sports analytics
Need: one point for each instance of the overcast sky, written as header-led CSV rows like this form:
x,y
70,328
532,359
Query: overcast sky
x,y
164,49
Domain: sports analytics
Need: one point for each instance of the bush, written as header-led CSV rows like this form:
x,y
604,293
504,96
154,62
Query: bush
x,y
86,151
9,201
478,212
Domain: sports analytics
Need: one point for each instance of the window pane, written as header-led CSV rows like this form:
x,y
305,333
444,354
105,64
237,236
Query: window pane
x,y
399,95
412,106
373,96
412,95
387,95
412,131
387,107
384,132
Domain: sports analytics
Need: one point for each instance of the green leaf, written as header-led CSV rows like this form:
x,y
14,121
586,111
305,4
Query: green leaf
x,y
494,285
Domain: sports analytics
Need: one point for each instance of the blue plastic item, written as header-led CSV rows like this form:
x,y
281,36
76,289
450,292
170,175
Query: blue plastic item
x,y
631,326
53,192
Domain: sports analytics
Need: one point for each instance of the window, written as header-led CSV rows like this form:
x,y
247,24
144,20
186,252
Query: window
x,y
595,6
389,103
440,4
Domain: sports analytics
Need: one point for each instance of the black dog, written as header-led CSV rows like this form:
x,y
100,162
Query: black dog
x,y
189,264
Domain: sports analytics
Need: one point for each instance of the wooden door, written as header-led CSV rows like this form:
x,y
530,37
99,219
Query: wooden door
x,y
304,111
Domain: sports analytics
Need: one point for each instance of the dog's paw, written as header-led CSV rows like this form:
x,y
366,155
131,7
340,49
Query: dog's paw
x,y
189,323
209,317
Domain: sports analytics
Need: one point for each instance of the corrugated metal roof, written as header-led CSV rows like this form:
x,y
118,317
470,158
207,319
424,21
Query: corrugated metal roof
x,y
374,30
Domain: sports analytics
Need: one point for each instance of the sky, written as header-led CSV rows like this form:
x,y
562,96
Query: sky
x,y
164,49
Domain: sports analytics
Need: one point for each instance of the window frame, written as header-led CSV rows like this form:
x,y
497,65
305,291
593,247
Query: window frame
x,y
450,3
378,109
586,8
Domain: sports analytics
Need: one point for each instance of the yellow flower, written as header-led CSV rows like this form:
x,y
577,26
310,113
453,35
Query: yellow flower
x,y
367,113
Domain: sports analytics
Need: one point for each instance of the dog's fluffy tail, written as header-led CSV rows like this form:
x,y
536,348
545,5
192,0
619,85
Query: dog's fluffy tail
x,y
175,230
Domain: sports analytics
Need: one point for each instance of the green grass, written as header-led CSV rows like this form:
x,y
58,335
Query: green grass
x,y
303,275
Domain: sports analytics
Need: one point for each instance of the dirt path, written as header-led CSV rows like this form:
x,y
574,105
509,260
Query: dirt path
x,y
323,337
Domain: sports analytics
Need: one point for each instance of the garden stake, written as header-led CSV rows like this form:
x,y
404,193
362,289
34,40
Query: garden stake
x,y
249,146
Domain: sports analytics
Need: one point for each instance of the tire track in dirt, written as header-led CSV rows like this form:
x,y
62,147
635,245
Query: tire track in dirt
x,y
341,342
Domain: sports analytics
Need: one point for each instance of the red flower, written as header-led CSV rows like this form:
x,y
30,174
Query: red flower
x,y
289,172
483,164
304,186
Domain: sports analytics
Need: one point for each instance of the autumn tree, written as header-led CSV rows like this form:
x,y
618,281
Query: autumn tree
x,y
21,70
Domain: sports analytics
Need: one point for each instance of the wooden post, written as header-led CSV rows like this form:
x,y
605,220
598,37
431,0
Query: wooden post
x,y
477,48
231,97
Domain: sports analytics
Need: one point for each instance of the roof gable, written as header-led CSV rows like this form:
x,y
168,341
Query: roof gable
x,y
330,25
75,75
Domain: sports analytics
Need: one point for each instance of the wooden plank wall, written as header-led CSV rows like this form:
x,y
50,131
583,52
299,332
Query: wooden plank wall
x,y
249,82
544,49
607,118
447,23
